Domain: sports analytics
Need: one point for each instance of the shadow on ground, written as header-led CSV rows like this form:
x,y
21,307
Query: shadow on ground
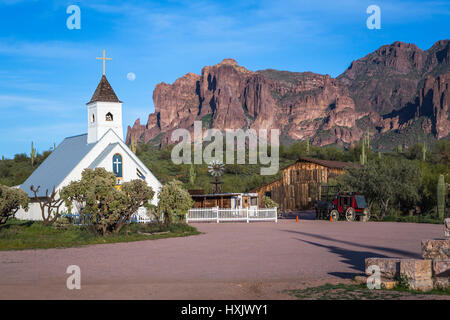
x,y
394,251
355,259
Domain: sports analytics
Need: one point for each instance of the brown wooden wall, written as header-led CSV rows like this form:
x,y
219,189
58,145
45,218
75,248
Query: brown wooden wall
x,y
299,186
212,202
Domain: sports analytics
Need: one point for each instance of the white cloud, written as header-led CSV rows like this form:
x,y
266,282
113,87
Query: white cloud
x,y
29,103
55,49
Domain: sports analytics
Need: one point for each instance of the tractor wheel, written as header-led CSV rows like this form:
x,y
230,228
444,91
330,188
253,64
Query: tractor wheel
x,y
350,214
334,215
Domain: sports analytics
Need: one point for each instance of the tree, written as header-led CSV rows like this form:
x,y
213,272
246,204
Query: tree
x,y
138,194
50,205
173,200
269,203
385,181
11,200
109,208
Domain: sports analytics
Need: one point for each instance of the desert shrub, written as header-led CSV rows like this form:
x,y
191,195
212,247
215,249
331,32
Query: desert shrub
x,y
108,207
174,202
11,200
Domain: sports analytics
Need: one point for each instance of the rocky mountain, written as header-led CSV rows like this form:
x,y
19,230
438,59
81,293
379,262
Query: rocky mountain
x,y
397,93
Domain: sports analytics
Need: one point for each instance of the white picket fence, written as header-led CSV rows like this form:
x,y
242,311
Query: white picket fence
x,y
141,216
219,214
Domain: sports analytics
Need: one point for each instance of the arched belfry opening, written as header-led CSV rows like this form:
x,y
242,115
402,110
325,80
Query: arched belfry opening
x,y
109,116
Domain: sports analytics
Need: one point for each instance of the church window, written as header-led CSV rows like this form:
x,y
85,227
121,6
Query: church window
x,y
117,165
109,116
93,118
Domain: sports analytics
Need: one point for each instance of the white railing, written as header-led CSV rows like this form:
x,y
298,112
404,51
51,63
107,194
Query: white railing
x,y
217,214
141,216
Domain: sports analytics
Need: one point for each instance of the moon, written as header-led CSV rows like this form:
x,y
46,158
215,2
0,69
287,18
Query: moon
x,y
131,76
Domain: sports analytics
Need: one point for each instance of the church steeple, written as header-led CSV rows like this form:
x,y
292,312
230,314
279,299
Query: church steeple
x,y
104,112
104,92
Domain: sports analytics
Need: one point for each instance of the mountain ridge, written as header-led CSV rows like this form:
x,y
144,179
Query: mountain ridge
x,y
389,91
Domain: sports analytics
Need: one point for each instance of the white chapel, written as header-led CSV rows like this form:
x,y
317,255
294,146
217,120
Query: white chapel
x,y
102,146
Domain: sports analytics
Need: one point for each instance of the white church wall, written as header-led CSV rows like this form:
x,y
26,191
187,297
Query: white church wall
x,y
98,127
129,169
34,212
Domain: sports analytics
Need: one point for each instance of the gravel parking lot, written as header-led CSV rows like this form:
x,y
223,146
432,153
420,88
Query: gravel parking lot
x,y
227,261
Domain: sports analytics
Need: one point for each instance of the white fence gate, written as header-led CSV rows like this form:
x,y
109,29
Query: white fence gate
x,y
218,214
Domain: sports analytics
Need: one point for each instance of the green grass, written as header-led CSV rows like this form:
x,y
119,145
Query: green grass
x,y
413,219
20,235
357,292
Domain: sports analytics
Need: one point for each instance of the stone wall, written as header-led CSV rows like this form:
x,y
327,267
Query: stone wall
x,y
433,271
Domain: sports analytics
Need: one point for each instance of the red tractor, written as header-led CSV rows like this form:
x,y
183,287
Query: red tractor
x,y
348,205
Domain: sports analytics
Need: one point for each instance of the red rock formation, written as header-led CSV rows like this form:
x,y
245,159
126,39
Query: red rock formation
x,y
391,87
434,102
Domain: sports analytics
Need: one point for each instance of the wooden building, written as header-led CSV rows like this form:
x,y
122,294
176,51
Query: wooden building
x,y
301,183
224,200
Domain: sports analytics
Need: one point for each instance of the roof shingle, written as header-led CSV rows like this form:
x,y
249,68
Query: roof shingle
x,y
104,92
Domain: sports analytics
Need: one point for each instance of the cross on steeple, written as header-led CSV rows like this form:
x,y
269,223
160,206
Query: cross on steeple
x,y
104,58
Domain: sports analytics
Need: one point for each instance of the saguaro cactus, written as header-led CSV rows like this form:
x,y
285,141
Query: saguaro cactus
x,y
192,174
133,144
363,156
32,154
424,151
441,196
368,139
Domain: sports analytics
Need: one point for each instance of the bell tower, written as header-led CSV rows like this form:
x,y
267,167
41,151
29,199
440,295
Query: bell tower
x,y
104,110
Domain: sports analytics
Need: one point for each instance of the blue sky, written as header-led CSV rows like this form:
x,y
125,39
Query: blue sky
x,y
48,72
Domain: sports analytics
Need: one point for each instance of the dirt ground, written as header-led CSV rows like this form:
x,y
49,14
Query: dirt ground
x,y
227,261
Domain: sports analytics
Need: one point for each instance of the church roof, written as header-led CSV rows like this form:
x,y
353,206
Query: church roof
x,y
104,92
68,155
58,165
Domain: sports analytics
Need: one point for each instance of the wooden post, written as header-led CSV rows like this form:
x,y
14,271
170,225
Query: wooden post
x,y
217,208
247,214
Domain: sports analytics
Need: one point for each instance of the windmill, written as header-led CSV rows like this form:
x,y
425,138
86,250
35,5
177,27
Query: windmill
x,y
215,168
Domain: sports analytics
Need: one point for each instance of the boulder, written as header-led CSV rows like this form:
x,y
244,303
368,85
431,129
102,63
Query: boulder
x,y
385,283
416,269
418,273
436,249
441,268
421,285
389,267
440,283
